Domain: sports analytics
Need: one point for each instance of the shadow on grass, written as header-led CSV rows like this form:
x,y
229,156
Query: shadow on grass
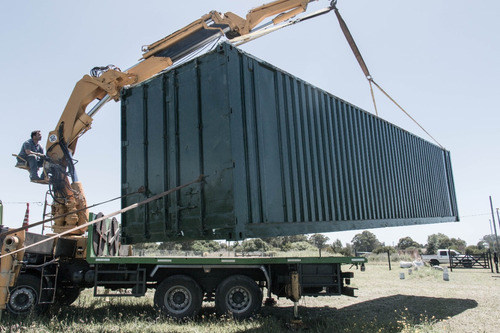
x,y
386,314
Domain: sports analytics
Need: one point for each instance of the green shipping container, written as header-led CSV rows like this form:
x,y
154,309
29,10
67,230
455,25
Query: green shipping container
x,y
280,156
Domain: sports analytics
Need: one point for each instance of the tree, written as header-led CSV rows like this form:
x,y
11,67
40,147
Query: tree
x,y
298,246
347,251
296,238
365,241
384,249
275,242
170,246
319,241
254,245
487,239
441,241
407,242
284,243
458,244
336,246
474,250
146,246
206,246
437,241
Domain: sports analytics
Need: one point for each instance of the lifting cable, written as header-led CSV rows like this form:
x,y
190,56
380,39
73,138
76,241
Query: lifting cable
x,y
365,70
13,231
126,209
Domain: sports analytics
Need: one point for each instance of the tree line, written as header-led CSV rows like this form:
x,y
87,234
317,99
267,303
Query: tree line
x,y
365,241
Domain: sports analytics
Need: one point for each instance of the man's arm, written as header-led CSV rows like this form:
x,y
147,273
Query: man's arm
x,y
28,151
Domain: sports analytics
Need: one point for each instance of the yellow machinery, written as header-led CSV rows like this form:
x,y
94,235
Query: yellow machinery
x,y
105,84
10,265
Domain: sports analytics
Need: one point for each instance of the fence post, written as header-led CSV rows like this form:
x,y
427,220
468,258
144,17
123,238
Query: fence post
x,y
450,259
490,261
495,260
389,258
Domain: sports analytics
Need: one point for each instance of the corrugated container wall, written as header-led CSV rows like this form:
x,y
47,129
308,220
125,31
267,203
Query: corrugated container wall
x,y
280,156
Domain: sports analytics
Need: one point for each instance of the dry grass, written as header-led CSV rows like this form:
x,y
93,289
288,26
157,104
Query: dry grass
x,y
422,302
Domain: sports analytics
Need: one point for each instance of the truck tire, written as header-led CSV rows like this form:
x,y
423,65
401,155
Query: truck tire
x,y
24,296
434,262
467,263
239,296
179,297
66,296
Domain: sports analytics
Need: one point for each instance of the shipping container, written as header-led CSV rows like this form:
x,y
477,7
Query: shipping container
x,y
280,157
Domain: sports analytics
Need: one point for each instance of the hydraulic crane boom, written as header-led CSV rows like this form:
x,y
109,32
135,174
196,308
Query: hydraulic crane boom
x,y
105,83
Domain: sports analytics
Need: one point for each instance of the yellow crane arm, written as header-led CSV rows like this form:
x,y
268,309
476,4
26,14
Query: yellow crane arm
x,y
75,121
228,24
106,83
157,56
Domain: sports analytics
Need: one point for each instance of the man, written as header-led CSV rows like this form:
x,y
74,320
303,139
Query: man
x,y
32,152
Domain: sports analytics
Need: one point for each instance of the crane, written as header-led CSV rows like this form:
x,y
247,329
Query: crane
x,y
105,83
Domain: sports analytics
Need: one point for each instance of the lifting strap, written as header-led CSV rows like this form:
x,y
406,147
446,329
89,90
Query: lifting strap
x,y
126,209
365,70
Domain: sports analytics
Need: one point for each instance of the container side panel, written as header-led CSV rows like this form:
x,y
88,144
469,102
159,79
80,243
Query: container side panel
x,y
268,143
218,163
154,142
251,142
280,156
239,146
188,153
284,143
133,167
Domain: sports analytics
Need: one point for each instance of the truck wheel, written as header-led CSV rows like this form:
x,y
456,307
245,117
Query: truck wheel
x,y
24,296
467,263
434,262
178,296
66,296
238,295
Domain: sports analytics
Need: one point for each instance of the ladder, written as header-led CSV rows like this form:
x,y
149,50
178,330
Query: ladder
x,y
48,289
47,215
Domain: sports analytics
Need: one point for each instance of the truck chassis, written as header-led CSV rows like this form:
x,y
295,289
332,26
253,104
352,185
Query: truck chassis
x,y
57,272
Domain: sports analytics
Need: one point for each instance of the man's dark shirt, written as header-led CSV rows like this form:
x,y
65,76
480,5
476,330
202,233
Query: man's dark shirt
x,y
30,144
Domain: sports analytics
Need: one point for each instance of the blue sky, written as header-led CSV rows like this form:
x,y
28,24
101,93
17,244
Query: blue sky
x,y
438,59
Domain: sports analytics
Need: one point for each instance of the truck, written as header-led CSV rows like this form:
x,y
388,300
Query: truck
x,y
38,271
56,271
443,256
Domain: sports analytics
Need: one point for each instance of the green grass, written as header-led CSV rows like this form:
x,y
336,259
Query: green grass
x,y
422,302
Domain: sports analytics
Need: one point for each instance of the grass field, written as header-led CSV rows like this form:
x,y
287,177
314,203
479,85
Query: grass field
x,y
422,302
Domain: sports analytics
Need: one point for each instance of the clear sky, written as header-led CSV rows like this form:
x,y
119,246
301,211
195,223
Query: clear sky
x,y
438,59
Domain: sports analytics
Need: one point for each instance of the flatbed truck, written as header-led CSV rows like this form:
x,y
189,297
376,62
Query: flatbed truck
x,y
56,271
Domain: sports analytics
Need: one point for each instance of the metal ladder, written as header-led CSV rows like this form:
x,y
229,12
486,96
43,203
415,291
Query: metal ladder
x,y
50,271
47,215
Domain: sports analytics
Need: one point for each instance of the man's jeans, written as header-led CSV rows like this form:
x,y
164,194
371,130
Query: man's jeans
x,y
34,162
